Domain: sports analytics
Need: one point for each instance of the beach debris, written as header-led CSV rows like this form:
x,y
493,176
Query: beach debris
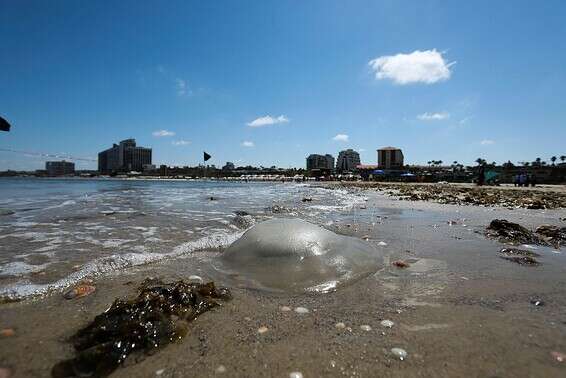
x,y
244,221
301,310
5,372
519,256
399,353
221,369
211,198
107,212
7,332
263,329
79,291
365,237
307,199
554,235
195,278
365,327
159,315
296,374
382,243
241,213
285,308
159,372
508,232
558,356
522,260
306,257
6,212
387,323
400,264
517,252
340,325
278,209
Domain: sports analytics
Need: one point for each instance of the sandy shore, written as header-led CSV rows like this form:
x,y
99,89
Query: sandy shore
x,y
458,309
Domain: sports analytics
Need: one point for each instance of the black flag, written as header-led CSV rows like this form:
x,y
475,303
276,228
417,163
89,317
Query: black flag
x,y
206,156
4,125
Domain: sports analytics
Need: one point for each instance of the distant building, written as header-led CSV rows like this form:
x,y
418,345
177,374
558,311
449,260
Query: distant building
x,y
59,168
124,157
229,166
390,158
316,161
347,160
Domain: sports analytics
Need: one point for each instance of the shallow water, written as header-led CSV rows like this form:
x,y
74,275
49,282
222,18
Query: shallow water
x,y
68,229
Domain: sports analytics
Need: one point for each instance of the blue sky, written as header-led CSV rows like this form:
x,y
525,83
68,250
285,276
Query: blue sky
x,y
269,82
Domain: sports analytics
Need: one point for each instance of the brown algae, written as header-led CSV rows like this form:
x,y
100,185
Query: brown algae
x,y
158,316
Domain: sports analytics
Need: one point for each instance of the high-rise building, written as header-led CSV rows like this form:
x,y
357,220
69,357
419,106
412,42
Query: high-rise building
x,y
124,157
390,158
347,160
60,168
315,161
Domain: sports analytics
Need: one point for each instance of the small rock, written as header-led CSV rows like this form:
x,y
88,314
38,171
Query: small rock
x,y
400,264
537,302
159,372
399,353
7,332
285,308
365,327
296,374
387,323
307,199
340,325
262,330
381,243
301,310
221,369
365,237
79,291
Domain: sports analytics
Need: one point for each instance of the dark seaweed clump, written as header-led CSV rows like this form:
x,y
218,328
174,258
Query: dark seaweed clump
x,y
509,232
158,316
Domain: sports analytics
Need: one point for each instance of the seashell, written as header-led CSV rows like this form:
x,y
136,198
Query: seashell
x,y
79,291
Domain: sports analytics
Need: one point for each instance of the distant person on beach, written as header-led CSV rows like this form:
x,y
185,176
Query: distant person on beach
x,y
516,180
533,180
522,179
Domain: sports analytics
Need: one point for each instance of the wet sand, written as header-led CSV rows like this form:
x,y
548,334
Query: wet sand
x,y
459,310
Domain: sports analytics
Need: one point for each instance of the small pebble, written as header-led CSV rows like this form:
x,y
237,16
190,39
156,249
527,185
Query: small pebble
x,y
301,310
382,243
262,330
159,372
7,332
387,323
400,264
296,374
221,369
560,357
365,327
399,353
365,237
285,308
340,325
248,319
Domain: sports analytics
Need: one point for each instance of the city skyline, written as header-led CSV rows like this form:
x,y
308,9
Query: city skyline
x,y
273,82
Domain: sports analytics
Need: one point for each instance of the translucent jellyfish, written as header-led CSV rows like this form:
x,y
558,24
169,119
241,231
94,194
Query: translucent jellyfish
x,y
298,256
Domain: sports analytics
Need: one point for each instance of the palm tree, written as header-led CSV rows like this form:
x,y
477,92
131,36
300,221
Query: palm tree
x,y
526,164
439,162
479,161
538,160
553,160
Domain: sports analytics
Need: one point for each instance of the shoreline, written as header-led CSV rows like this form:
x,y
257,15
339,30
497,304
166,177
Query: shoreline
x,y
458,309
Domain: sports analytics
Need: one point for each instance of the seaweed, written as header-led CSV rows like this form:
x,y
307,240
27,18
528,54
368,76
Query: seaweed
x,y
159,315
509,232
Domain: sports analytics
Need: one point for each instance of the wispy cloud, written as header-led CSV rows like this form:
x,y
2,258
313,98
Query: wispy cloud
x,y
433,116
181,142
163,133
487,142
426,67
267,120
341,138
182,87
361,149
248,143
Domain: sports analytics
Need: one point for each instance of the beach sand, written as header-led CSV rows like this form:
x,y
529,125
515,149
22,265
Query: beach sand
x,y
458,309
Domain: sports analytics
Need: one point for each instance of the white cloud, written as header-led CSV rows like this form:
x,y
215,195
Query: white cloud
x,y
182,87
341,138
267,120
487,142
163,133
426,67
181,142
247,143
433,116
361,149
